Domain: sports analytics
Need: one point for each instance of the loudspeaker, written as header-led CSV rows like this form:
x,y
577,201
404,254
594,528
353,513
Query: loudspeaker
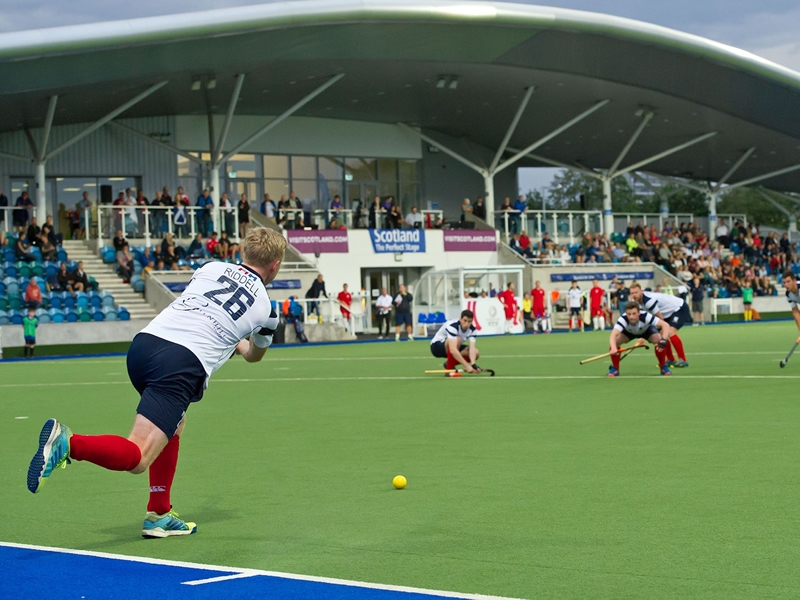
x,y
105,194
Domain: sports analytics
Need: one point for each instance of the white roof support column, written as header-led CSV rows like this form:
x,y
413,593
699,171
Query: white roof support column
x,y
665,153
645,120
40,159
112,115
280,118
608,214
550,136
498,155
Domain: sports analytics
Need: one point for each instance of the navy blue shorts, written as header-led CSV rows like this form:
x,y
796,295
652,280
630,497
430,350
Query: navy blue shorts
x,y
30,340
168,377
680,318
403,319
439,350
646,334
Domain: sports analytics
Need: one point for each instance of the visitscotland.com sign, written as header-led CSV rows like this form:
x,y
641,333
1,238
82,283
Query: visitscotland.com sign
x,y
318,241
397,240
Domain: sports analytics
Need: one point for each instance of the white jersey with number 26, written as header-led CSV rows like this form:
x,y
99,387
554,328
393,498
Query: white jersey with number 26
x,y
222,305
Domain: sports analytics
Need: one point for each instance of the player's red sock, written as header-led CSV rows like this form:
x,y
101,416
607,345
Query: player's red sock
x,y
112,452
615,359
661,355
162,472
676,341
451,361
668,350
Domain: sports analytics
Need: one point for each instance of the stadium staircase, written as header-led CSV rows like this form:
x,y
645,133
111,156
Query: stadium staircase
x,y
108,280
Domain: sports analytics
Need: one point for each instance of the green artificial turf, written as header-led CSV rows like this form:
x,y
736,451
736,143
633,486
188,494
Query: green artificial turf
x,y
547,481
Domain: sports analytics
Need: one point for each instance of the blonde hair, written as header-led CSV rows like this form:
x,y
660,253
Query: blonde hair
x,y
262,247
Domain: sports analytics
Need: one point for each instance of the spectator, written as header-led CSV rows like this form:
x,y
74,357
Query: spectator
x,y
65,279
227,207
33,294
29,325
212,245
165,197
722,234
395,217
141,205
180,214
119,241
49,251
227,247
80,279
336,205
22,251
375,214
345,299
466,208
157,214
268,208
383,308
521,205
205,205
49,230
197,249
316,290
479,210
414,218
402,314
3,206
621,295
243,210
33,232
20,218
283,206
148,268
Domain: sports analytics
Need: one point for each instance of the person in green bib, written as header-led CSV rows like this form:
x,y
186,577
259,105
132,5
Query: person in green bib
x,y
747,298
29,325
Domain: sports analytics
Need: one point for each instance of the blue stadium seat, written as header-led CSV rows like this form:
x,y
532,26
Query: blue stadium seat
x,y
98,316
50,269
81,301
4,320
15,317
56,315
44,318
423,318
108,300
70,315
67,301
62,255
123,314
55,301
110,313
95,301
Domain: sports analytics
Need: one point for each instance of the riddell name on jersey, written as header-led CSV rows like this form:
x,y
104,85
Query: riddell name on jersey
x,y
244,278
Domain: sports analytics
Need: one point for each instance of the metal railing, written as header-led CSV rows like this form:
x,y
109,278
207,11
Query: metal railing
x,y
658,219
328,310
154,222
561,226
7,216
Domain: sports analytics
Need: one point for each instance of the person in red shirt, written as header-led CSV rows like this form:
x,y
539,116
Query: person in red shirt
x,y
597,297
212,243
33,295
539,308
510,306
345,299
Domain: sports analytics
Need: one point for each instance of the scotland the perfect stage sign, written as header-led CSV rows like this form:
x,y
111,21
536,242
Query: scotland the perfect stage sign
x,y
397,240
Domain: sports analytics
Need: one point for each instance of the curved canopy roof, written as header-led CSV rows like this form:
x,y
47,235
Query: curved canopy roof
x,y
393,56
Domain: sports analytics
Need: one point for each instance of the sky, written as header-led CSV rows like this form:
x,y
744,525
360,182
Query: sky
x,y
768,28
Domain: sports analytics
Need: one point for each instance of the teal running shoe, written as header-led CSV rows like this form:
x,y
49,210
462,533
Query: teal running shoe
x,y
665,371
613,371
53,453
161,526
680,364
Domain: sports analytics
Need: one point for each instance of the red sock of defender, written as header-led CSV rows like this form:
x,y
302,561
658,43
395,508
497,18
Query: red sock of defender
x,y
162,472
451,362
615,359
661,355
112,452
668,350
676,341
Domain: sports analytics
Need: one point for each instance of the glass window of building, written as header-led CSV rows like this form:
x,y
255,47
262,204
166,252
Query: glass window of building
x,y
331,168
408,170
242,166
361,168
276,167
276,188
305,189
327,190
304,167
387,169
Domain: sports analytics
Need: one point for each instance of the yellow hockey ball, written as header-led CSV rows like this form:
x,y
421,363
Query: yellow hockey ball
x,y
399,482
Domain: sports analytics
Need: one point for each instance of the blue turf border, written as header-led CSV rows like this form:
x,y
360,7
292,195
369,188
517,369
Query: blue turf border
x,y
341,343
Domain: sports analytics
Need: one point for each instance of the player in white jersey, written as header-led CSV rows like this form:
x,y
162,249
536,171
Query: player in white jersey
x,y
574,300
634,324
224,309
449,343
792,296
671,309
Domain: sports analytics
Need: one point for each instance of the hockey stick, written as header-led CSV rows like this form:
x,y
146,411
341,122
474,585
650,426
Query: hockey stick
x,y
448,372
620,351
788,356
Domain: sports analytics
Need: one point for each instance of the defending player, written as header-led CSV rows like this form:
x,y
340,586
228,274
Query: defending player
x,y
509,301
668,308
574,299
632,325
597,298
169,363
792,296
449,343
539,311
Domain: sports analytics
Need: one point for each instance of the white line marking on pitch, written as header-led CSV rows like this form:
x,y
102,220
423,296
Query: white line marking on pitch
x,y
241,575
240,572
20,418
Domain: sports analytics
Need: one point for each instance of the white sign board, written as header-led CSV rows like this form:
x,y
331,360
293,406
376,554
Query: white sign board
x,y
490,316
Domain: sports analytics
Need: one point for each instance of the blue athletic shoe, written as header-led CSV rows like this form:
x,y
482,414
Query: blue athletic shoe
x,y
53,453
665,370
680,364
613,371
161,526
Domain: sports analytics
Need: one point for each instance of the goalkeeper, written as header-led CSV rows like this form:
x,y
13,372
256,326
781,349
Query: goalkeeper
x,y
224,310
